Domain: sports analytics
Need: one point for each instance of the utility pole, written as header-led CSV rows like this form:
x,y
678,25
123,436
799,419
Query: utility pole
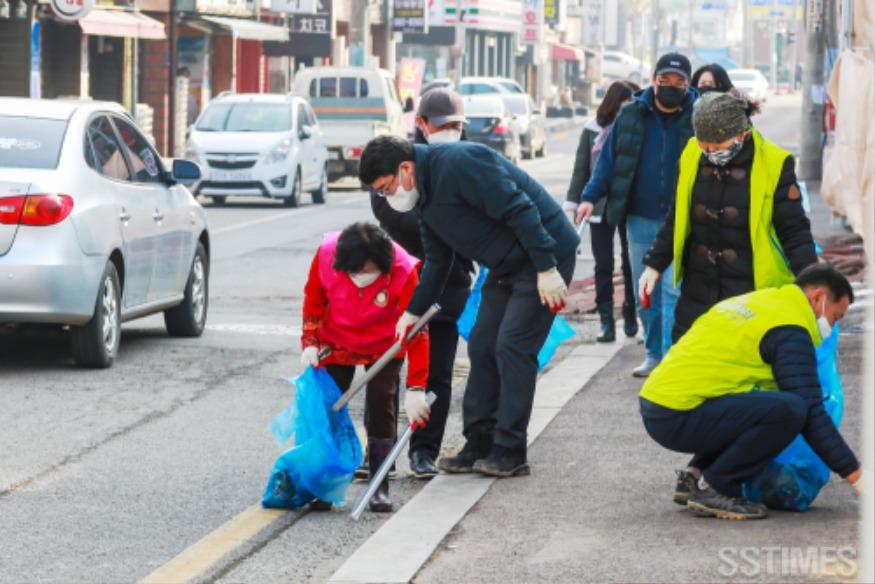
x,y
654,31
389,46
811,154
359,33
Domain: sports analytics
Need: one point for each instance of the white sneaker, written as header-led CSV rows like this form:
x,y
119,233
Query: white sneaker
x,y
643,370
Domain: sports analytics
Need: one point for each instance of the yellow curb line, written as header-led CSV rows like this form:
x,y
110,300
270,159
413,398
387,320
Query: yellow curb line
x,y
199,557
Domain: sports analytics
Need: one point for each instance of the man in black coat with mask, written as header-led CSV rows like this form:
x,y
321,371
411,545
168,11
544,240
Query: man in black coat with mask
x,y
472,201
439,120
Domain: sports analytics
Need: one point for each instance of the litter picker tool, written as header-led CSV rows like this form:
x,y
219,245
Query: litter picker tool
x,y
384,360
384,469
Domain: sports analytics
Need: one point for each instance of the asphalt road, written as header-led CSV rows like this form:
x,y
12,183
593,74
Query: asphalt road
x,y
107,475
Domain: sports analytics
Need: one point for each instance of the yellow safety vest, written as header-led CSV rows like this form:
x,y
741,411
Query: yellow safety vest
x,y
720,354
770,265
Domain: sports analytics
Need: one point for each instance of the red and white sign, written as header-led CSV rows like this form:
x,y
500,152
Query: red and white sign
x,y
72,9
410,73
531,24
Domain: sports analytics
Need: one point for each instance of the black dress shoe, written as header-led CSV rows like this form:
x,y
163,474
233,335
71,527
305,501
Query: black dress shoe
x,y
422,465
320,505
503,462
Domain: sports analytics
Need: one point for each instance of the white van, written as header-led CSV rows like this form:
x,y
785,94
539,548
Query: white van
x,y
353,104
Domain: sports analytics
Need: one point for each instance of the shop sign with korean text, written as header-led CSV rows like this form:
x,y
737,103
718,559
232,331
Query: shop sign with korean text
x,y
72,10
531,25
410,16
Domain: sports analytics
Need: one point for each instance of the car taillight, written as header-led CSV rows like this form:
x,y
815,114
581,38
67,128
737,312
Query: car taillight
x,y
501,129
35,210
10,210
352,152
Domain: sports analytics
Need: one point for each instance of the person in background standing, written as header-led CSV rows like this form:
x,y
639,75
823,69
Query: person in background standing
x,y
637,172
439,119
712,77
592,140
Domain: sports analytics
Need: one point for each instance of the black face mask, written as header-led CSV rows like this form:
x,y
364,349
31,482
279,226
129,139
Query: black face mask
x,y
670,96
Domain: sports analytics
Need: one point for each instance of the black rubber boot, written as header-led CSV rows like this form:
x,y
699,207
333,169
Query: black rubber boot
x,y
630,320
609,326
477,446
378,450
363,472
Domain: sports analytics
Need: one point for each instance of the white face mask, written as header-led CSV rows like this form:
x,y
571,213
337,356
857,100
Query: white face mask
x,y
445,136
403,200
823,323
364,279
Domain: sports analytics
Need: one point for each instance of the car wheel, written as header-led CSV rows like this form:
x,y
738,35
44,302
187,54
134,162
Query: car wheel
x,y
292,199
189,318
218,200
96,343
320,194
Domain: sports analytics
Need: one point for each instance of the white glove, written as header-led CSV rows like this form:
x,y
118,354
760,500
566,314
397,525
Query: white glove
x,y
416,407
310,356
647,283
406,321
570,209
552,289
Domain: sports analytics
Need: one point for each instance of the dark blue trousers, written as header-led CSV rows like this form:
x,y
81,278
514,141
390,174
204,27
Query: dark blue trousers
x,y
732,437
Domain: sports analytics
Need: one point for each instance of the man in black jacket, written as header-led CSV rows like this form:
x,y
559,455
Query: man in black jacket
x,y
440,117
473,202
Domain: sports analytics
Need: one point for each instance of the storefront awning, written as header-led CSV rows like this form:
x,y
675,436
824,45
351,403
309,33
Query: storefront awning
x,y
117,23
567,53
249,29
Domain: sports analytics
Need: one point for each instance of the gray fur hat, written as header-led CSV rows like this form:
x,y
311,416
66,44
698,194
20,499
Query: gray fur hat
x,y
719,116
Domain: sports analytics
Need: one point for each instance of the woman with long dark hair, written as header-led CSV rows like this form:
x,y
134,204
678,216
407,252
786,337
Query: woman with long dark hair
x,y
593,137
712,77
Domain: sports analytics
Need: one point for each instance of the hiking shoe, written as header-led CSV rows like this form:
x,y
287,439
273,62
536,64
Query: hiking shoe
x,y
503,462
685,487
422,464
646,368
710,503
464,461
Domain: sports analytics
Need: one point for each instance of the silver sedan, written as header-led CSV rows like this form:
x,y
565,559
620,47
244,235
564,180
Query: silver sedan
x,y
94,229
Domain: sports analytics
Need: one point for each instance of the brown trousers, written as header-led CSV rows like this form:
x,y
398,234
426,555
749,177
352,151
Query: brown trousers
x,y
381,404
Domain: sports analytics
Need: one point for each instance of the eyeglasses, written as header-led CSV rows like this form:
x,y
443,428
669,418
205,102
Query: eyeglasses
x,y
385,191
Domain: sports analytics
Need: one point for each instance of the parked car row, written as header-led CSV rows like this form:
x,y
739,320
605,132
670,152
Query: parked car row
x,y
94,228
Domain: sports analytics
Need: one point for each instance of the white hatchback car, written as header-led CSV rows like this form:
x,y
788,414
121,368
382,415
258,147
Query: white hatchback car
x,y
259,145
750,82
94,230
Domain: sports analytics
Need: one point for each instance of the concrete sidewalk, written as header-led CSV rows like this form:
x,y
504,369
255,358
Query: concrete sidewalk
x,y
598,508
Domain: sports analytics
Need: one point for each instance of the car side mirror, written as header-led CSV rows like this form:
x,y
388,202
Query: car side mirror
x,y
185,172
305,132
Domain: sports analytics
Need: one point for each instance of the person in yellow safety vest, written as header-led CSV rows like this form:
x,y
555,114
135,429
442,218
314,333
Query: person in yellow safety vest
x,y
742,383
737,223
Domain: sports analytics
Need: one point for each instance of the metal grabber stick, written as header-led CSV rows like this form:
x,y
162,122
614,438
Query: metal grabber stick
x,y
377,479
384,360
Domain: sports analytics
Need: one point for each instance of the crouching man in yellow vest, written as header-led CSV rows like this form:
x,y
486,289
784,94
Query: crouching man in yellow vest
x,y
742,383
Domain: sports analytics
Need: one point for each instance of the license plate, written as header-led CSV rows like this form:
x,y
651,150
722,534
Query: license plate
x,y
333,155
231,176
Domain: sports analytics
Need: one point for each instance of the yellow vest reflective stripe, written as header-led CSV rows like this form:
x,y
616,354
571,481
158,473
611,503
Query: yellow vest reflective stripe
x,y
720,354
770,265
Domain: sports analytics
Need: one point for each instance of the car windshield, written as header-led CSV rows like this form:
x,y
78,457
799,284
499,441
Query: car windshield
x,y
743,76
30,142
510,86
246,117
517,105
491,108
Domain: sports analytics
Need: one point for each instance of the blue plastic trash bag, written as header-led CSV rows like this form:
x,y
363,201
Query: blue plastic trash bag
x,y
326,452
560,332
794,478
466,321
